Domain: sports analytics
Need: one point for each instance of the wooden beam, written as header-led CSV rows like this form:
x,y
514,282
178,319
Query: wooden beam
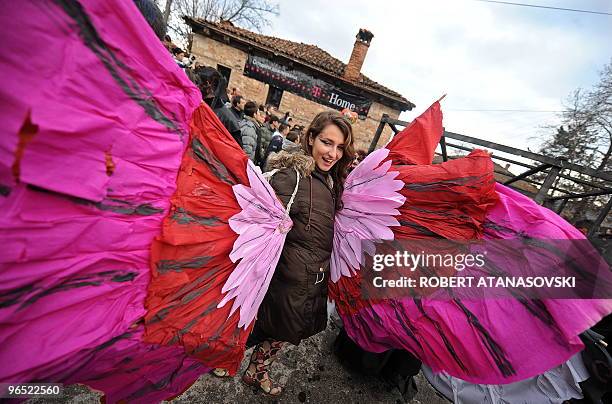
x,y
583,182
600,218
502,148
584,195
379,131
561,206
556,162
566,176
518,152
494,157
548,182
527,173
443,148
533,156
532,182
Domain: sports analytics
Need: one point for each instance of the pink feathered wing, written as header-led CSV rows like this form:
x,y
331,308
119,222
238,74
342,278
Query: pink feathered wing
x,y
262,226
370,200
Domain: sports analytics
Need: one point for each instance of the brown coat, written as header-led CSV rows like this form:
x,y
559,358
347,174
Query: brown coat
x,y
295,306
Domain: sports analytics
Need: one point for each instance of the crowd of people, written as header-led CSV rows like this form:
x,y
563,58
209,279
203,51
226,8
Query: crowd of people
x,y
182,58
260,129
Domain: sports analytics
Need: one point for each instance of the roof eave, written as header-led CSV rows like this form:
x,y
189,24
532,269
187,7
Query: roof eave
x,y
401,104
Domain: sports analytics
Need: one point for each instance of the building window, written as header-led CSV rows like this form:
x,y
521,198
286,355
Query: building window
x,y
274,96
225,72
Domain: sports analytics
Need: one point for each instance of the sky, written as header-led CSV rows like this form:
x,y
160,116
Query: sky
x,y
484,56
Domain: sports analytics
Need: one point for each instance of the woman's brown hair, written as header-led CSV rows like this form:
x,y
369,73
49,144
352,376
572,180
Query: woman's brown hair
x,y
340,170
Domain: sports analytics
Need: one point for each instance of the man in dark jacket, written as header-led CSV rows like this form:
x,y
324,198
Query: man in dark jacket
x,y
230,122
276,143
213,85
237,108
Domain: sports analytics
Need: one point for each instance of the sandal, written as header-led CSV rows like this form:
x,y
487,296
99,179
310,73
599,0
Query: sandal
x,y
263,381
220,372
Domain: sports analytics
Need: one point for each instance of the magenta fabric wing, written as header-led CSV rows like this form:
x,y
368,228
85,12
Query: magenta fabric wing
x,y
517,216
370,200
127,370
262,226
505,340
84,194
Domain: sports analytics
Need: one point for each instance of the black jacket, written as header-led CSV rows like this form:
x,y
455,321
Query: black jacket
x,y
228,119
239,115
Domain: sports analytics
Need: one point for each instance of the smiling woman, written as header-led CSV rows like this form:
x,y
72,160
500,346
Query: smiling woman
x,y
327,148
329,140
310,185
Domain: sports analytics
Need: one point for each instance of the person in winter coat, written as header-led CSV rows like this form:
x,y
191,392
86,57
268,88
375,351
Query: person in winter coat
x,y
267,130
213,86
295,306
276,143
249,128
286,119
237,106
294,137
291,143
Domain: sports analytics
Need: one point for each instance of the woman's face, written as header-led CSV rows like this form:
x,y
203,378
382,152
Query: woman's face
x,y
328,147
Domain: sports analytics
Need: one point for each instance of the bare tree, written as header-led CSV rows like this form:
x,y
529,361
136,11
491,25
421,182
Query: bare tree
x,y
250,14
167,10
585,135
599,102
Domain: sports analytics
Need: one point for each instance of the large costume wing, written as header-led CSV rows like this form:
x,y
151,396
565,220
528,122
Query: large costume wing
x,y
93,129
193,258
469,339
91,146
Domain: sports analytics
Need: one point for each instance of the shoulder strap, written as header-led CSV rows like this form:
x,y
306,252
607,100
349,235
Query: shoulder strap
x,y
268,176
297,183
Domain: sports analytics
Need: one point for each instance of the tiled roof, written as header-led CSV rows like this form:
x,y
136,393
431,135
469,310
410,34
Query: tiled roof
x,y
308,55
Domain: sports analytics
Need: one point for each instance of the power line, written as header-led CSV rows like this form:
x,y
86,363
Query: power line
x,y
500,110
547,7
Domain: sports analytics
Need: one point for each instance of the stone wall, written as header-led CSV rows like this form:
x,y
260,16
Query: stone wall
x,y
212,53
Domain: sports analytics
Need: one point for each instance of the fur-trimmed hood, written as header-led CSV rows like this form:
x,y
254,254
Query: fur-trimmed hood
x,y
303,163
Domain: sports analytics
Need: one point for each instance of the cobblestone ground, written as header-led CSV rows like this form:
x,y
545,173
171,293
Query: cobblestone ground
x,y
310,373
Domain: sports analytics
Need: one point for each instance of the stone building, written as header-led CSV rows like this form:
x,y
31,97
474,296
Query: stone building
x,y
297,77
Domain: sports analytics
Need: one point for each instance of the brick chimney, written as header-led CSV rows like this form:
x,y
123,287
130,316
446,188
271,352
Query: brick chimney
x,y
360,50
